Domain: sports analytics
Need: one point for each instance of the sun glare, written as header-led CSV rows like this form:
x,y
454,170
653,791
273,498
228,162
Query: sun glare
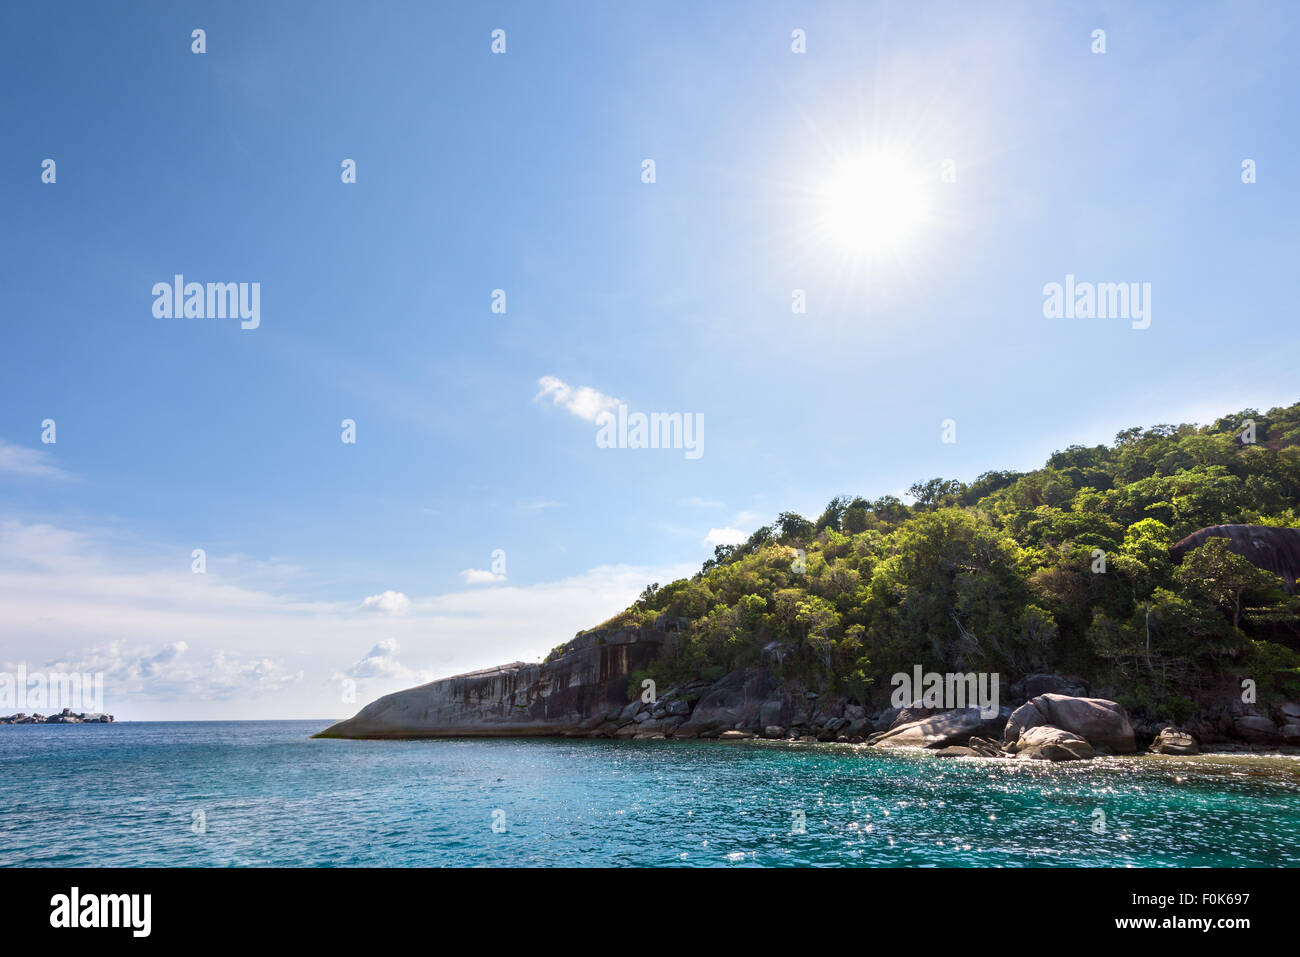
x,y
874,206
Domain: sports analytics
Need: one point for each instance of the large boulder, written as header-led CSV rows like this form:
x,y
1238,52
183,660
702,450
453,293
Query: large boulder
x,y
940,730
956,751
736,701
771,711
1257,729
911,714
884,720
1288,715
662,726
1046,743
1105,724
1174,741
985,747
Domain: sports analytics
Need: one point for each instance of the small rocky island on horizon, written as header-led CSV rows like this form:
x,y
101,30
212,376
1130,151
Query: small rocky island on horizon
x,y
1135,596
66,716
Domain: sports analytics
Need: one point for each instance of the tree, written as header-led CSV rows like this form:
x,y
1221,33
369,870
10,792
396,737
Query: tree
x,y
890,508
833,515
819,623
793,529
855,516
1221,576
928,494
760,538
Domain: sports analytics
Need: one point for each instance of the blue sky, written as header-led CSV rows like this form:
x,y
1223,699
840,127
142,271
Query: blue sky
x,y
523,172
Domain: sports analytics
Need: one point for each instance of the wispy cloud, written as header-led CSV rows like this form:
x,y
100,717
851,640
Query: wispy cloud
x,y
702,502
538,505
30,463
387,603
480,576
171,672
584,401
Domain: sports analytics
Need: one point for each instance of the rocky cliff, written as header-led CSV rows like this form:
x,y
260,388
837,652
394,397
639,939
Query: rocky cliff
x,y
563,694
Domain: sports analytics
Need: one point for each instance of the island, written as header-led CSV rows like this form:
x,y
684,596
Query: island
x,y
66,716
1126,597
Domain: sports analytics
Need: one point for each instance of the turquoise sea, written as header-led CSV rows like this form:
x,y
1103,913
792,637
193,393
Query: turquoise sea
x,y
263,793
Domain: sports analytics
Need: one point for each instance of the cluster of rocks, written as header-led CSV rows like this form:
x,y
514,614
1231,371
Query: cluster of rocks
x,y
1047,727
66,716
747,703
752,703
1250,723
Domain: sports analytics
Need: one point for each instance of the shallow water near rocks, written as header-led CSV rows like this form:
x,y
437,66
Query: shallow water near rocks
x,y
126,795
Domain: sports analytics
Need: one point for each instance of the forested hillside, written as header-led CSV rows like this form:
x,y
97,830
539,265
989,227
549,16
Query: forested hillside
x,y
1066,568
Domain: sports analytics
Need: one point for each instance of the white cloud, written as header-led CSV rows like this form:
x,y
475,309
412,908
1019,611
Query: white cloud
x,y
243,642
725,536
387,603
381,664
702,502
170,672
584,402
480,576
29,463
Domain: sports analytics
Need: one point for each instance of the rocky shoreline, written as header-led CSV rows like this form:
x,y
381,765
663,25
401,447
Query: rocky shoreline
x,y
582,692
66,716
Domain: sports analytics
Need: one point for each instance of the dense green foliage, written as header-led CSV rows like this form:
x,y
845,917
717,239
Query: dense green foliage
x,y
1065,568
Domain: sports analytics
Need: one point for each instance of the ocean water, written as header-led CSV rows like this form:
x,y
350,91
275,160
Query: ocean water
x,y
266,794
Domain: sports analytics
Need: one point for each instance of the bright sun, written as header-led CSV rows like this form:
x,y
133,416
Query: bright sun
x,y
873,206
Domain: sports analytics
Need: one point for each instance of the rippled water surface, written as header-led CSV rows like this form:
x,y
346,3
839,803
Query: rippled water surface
x,y
125,794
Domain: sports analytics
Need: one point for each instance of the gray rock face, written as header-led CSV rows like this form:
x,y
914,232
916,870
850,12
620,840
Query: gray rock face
x,y
736,701
941,730
1045,743
770,712
1105,724
1257,729
570,693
